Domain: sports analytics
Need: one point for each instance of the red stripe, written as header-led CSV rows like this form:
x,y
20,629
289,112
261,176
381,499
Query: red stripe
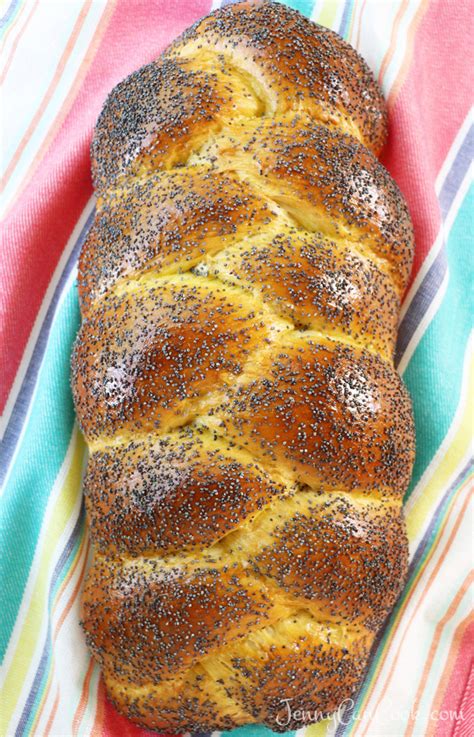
x,y
40,223
412,612
437,637
457,686
428,112
458,641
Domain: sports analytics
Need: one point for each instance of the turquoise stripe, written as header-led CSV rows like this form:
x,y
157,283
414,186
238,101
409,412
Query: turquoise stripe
x,y
434,374
37,464
256,730
304,6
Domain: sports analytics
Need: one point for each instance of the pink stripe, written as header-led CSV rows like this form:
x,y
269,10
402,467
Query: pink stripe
x,y
456,696
464,725
39,224
428,112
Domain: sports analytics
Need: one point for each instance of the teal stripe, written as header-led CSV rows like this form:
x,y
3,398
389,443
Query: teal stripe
x,y
434,374
304,6
257,730
39,459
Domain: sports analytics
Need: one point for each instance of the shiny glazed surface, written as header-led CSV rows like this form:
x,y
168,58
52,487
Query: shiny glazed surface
x,y
250,440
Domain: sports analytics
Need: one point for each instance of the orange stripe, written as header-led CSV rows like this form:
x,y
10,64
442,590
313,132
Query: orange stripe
x,y
448,669
15,43
76,722
77,586
50,91
72,598
434,646
402,74
410,595
57,628
415,583
49,724
59,625
66,609
69,100
391,49
70,573
391,635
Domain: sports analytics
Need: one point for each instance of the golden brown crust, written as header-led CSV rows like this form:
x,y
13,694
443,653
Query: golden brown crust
x,y
167,495
325,181
296,662
167,222
333,416
159,115
250,440
147,623
317,284
349,557
144,359
295,66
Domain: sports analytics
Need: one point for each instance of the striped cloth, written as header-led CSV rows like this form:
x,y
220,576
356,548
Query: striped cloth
x,y
60,59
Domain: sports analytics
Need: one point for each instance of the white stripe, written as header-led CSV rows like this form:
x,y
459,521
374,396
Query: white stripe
x,y
423,270
453,152
86,727
376,33
355,22
55,105
401,44
423,324
21,97
439,662
40,317
27,598
13,32
70,659
441,240
316,10
411,643
338,16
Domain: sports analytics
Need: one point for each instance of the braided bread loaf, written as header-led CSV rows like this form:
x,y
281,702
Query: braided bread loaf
x,y
250,440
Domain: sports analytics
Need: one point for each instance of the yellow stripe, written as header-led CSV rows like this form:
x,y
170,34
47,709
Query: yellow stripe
x,y
37,612
328,13
320,729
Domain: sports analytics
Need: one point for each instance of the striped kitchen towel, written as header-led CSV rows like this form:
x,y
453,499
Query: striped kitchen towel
x,y
60,59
